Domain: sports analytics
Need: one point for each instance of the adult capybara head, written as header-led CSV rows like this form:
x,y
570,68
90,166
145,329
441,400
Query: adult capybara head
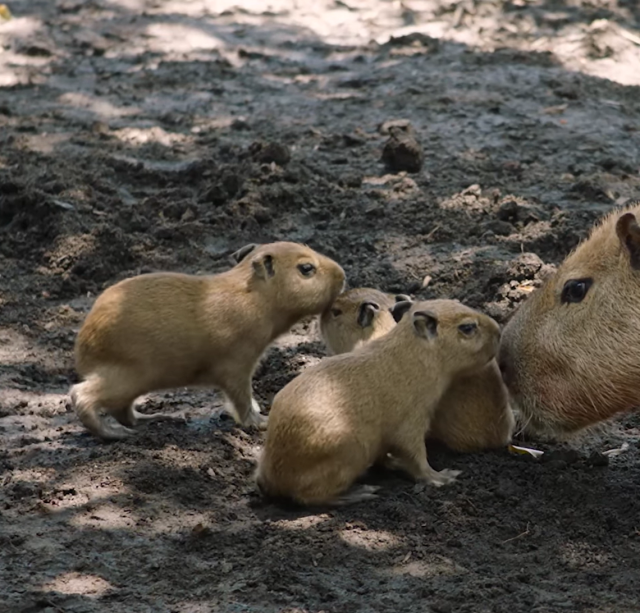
x,y
570,355
294,278
357,316
465,339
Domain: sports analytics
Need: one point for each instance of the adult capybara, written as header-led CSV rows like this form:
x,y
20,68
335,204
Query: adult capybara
x,y
336,419
570,355
166,330
473,414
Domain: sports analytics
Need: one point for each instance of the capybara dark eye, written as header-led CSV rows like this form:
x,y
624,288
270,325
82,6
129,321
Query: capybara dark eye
x,y
306,269
336,312
468,329
575,290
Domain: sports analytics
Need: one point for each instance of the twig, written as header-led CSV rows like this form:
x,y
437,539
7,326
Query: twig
x,y
48,602
428,236
473,506
628,35
513,538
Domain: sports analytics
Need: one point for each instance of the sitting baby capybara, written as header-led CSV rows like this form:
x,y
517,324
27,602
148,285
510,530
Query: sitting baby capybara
x,y
570,354
474,413
339,417
167,330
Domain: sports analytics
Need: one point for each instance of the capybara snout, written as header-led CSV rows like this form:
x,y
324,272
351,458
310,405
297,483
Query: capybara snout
x,y
569,354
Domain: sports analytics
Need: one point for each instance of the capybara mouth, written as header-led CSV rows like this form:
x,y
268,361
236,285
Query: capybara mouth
x,y
539,421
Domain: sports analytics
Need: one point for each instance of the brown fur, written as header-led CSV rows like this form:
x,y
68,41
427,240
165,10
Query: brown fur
x,y
167,330
569,365
340,327
337,418
474,413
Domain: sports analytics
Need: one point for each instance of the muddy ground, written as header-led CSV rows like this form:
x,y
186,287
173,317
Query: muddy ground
x,y
141,135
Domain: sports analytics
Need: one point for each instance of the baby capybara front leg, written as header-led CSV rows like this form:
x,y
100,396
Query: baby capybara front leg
x,y
409,454
244,407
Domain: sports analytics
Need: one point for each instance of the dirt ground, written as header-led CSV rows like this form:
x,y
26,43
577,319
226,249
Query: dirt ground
x,y
140,135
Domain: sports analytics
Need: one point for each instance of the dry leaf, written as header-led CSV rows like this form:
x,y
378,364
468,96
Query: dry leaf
x,y
534,453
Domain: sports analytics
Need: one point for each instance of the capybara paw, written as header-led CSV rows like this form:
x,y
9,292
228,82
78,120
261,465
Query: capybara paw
x,y
444,477
390,462
358,494
257,419
115,432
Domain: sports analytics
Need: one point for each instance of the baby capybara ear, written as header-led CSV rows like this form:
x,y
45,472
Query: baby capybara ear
x,y
400,308
263,267
628,232
402,298
366,313
425,324
239,255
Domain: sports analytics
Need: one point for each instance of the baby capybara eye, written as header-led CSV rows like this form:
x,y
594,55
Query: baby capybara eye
x,y
575,290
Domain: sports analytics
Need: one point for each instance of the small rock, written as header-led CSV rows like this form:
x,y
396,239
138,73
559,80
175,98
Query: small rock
x,y
567,456
262,216
525,266
350,180
266,153
402,151
498,227
598,459
240,124
508,211
385,127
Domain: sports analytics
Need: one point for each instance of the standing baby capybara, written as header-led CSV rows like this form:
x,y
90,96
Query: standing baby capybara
x,y
167,330
570,355
473,414
337,418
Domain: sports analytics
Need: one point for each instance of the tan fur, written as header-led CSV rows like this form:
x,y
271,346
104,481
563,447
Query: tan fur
x,y
474,413
571,365
337,418
339,325
166,330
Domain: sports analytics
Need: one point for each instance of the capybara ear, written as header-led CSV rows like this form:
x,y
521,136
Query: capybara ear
x,y
399,309
239,255
263,267
425,324
628,232
366,313
403,298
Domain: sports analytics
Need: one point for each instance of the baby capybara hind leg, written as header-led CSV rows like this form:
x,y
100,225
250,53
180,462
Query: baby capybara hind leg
x,y
130,418
118,389
86,399
328,483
